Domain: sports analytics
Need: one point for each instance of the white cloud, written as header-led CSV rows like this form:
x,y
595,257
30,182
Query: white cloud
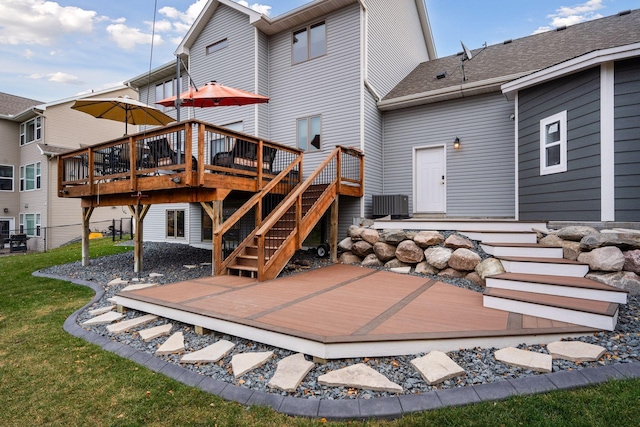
x,y
163,26
542,30
188,16
28,53
570,15
40,21
128,37
57,77
260,8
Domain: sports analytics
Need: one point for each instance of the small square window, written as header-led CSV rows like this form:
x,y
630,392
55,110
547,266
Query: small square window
x,y
309,133
553,144
308,43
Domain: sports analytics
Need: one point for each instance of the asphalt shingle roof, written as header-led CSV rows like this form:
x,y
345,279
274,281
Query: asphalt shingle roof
x,y
524,55
11,105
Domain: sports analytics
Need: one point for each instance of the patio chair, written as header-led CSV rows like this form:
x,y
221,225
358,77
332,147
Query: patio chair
x,y
161,154
243,156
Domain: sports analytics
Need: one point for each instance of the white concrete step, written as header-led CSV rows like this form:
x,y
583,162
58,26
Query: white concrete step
x,y
522,250
544,266
593,314
501,236
460,224
575,287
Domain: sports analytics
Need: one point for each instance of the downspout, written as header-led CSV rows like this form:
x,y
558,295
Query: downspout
x,y
256,71
365,44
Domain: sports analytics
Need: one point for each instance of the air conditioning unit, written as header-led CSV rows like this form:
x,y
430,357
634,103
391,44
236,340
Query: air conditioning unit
x,y
396,205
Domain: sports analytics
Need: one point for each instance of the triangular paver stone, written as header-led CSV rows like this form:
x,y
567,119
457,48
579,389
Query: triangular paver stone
x,y
155,332
104,319
525,359
101,310
290,372
121,327
437,367
575,351
117,281
174,344
137,287
243,363
189,266
359,376
155,275
209,354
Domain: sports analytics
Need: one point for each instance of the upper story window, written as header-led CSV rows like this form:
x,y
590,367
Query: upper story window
x,y
310,42
6,177
30,177
31,131
167,89
553,144
221,44
308,133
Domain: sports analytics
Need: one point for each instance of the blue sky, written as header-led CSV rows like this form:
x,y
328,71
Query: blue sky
x,y
52,50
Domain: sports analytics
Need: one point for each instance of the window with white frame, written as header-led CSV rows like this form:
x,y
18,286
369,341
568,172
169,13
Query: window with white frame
x,y
175,223
30,177
31,131
167,89
221,44
309,42
308,133
6,177
30,224
553,144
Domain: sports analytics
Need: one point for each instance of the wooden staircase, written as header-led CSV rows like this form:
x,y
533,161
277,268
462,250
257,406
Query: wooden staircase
x,y
540,282
280,232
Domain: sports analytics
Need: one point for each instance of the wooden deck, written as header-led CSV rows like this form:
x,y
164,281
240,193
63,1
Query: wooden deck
x,y
346,311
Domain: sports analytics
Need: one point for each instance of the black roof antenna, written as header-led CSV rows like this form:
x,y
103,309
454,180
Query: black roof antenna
x,y
467,56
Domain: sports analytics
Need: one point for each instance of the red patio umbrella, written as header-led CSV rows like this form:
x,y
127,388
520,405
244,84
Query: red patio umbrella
x,y
214,95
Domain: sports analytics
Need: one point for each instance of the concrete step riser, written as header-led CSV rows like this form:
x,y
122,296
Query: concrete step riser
x,y
501,237
435,224
561,291
597,321
545,268
541,252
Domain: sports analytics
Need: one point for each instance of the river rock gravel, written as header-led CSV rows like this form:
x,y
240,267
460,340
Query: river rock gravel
x,y
168,260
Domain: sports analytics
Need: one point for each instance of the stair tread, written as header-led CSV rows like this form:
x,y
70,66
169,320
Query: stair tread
x,y
576,304
574,282
540,260
519,245
242,267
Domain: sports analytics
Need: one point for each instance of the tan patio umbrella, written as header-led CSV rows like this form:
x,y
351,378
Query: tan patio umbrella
x,y
214,95
123,109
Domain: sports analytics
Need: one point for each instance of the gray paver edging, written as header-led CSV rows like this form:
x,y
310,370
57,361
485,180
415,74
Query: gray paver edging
x,y
388,408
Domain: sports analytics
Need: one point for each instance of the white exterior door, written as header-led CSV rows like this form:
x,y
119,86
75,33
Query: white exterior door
x,y
6,229
429,179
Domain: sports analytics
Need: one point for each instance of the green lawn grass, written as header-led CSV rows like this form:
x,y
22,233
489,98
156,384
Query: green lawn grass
x,y
48,377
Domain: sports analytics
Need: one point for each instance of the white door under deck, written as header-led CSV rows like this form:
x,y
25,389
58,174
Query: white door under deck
x,y
429,180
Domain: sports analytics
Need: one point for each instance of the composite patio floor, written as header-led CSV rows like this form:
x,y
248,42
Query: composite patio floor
x,y
345,311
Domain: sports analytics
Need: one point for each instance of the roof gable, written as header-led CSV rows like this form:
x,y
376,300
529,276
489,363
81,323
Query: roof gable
x,y
11,105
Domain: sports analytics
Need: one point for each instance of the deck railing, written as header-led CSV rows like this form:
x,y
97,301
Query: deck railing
x,y
193,152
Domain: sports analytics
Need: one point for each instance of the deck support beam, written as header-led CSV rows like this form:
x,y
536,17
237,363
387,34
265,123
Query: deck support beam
x,y
333,231
86,216
139,212
214,210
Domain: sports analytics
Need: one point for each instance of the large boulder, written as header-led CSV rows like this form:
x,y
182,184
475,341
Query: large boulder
x,y
371,260
349,258
355,232
384,251
393,237
464,259
408,252
475,278
454,241
345,245
489,267
609,258
632,261
425,268
576,232
395,263
626,280
571,250
438,256
362,248
452,273
370,235
551,240
621,240
424,239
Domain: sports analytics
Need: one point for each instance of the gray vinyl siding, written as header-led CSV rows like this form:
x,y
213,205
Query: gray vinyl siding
x,y
396,42
627,140
263,84
233,65
328,86
480,176
573,195
373,161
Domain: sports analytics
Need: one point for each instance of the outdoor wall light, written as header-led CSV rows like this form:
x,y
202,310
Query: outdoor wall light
x,y
176,179
6,210
456,144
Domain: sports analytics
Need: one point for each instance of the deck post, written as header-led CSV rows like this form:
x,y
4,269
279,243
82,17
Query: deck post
x,y
86,216
138,211
333,232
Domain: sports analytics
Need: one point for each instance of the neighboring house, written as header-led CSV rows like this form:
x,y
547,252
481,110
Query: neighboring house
x,y
324,67
31,140
545,74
